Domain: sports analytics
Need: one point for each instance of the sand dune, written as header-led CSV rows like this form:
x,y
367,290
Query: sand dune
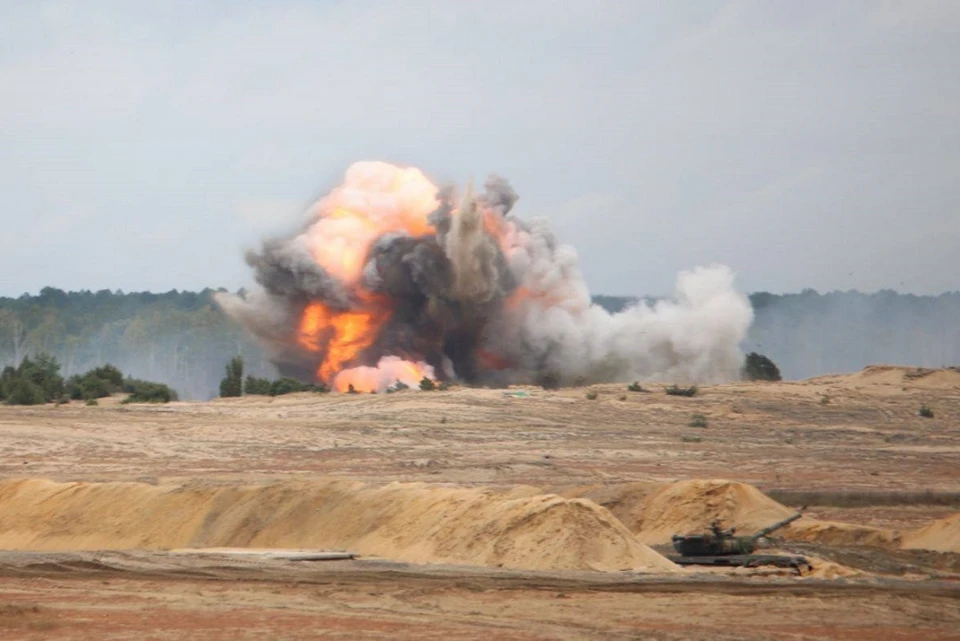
x,y
691,506
404,522
656,512
899,376
942,535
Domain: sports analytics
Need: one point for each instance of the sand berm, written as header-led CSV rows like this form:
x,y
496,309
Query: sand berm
x,y
400,521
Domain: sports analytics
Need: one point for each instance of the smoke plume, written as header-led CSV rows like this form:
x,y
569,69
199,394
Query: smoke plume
x,y
393,279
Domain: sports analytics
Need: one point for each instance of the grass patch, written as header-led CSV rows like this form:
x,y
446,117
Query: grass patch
x,y
925,412
675,390
698,420
854,498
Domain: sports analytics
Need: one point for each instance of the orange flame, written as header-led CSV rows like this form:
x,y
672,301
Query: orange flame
x,y
375,199
346,334
387,373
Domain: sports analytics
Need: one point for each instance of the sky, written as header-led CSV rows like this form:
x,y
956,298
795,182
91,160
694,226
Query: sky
x,y
145,145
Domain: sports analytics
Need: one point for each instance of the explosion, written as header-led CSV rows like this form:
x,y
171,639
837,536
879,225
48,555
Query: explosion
x,y
393,279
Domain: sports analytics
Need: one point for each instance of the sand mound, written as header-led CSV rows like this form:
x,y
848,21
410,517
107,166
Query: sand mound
x,y
909,376
404,522
624,500
823,569
691,506
836,533
943,535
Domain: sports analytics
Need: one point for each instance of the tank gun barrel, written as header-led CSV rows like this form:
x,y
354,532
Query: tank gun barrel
x,y
776,526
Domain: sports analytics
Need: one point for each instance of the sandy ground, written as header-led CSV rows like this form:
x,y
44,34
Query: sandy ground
x,y
865,437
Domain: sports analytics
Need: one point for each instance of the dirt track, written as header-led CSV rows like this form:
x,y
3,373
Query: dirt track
x,y
865,437
159,596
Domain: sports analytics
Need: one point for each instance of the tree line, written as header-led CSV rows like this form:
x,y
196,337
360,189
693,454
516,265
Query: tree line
x,y
182,339
37,380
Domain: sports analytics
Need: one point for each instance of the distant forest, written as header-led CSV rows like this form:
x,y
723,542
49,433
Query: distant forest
x,y
184,340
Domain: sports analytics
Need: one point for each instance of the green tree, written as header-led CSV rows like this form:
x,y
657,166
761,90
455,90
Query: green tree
x,y
232,383
757,367
285,385
254,385
25,392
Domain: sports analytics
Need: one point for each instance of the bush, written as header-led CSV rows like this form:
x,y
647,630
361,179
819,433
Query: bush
x,y
25,392
147,392
7,378
42,373
91,402
286,385
427,385
399,386
259,386
673,390
635,387
110,374
925,412
232,384
757,367
698,420
591,396
94,384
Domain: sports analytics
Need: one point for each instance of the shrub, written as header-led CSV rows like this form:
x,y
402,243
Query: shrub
x,y
93,387
673,390
43,372
925,412
824,399
259,386
97,383
427,385
635,387
232,384
591,396
110,374
692,439
285,385
757,367
399,386
444,386
698,420
7,378
25,392
91,402
147,392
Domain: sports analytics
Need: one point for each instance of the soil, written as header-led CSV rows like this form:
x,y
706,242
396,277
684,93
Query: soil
x,y
625,469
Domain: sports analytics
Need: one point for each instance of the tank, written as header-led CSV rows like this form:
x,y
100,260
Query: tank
x,y
724,547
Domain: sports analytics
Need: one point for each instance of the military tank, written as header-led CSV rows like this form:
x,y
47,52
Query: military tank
x,y
720,547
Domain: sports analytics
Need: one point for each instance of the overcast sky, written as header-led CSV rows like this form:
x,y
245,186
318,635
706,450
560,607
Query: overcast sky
x,y
143,145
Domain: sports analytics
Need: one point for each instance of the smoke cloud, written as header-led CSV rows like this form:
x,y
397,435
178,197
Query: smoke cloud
x,y
394,279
